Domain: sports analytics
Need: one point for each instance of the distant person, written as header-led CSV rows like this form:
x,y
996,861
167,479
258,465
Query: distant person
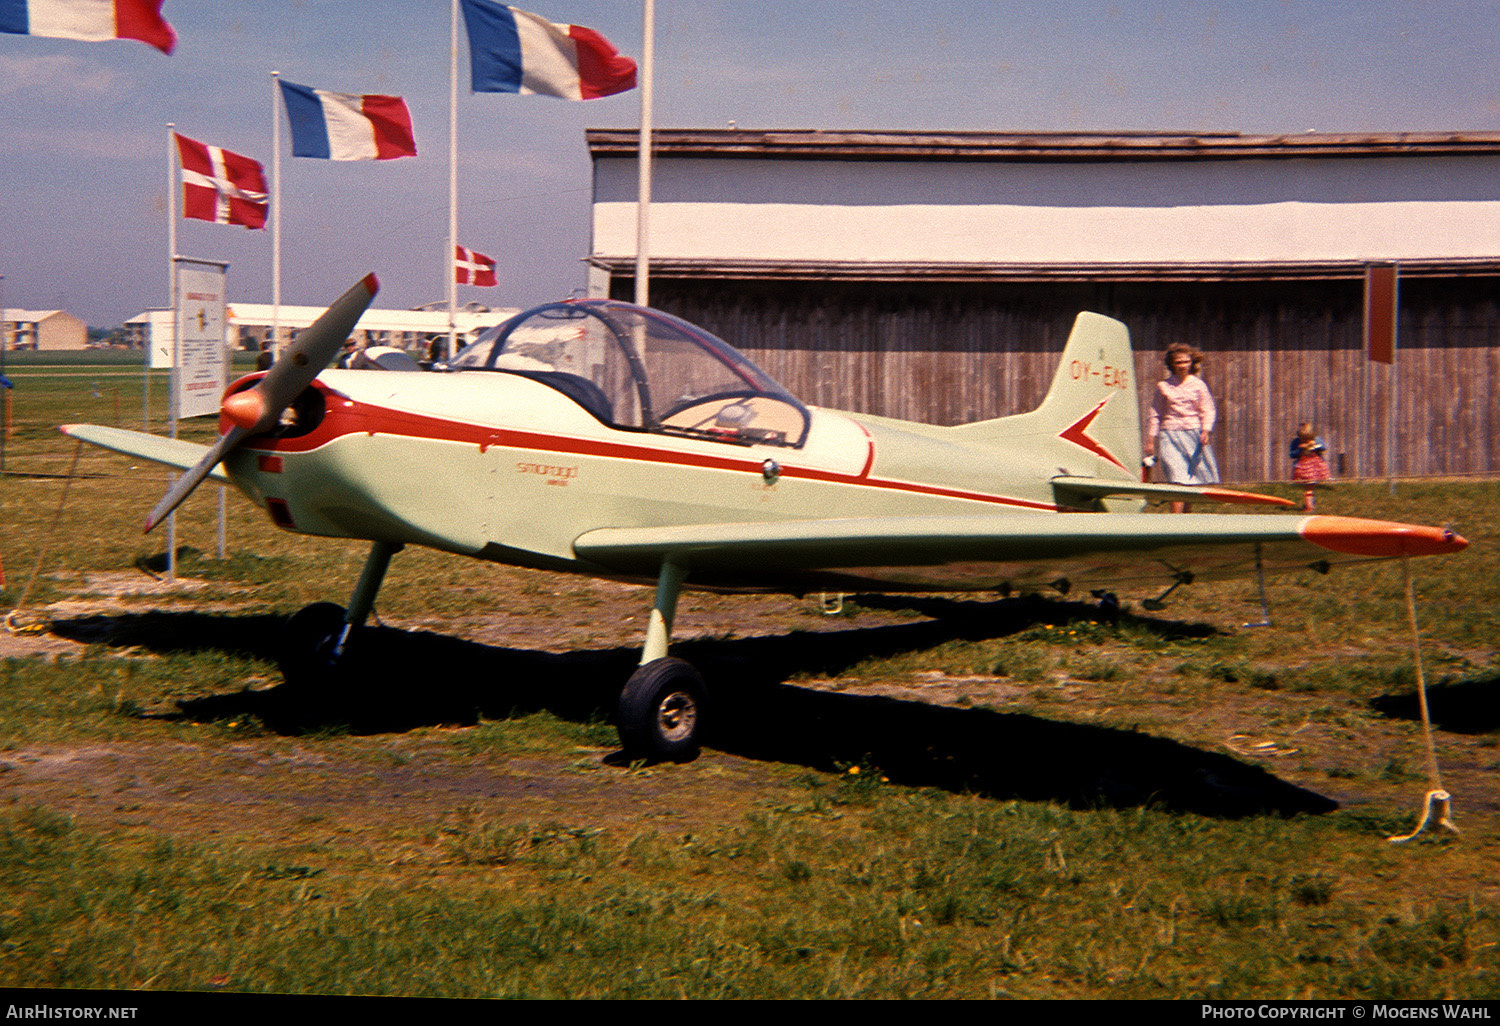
x,y
264,358
1308,465
1182,422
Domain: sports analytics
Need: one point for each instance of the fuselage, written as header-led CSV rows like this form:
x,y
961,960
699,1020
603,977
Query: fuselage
x,y
503,467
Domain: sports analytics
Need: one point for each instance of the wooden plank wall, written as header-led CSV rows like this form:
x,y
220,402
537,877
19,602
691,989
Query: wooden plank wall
x,y
1276,353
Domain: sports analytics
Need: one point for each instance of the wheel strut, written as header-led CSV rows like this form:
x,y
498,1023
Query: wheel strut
x,y
663,612
363,599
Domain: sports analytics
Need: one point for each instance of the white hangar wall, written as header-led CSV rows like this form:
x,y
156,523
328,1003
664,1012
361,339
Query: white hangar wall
x,y
1253,211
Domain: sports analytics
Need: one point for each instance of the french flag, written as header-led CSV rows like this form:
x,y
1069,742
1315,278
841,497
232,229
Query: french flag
x,y
89,20
511,51
341,126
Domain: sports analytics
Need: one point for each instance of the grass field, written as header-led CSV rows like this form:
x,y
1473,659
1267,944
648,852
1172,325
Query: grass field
x,y
953,797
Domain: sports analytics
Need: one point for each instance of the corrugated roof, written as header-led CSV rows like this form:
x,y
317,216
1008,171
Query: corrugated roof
x,y
623,266
1036,146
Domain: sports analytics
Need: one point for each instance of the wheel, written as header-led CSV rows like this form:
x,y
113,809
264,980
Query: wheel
x,y
660,714
305,648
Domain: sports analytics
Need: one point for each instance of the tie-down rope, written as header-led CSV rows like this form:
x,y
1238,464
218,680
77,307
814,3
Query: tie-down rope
x,y
12,623
1437,800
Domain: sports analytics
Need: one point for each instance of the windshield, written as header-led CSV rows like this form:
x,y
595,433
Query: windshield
x,y
633,367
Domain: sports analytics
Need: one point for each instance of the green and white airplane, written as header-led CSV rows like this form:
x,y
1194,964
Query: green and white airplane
x,y
602,438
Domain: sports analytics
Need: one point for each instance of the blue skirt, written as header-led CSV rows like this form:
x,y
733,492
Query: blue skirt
x,y
1184,460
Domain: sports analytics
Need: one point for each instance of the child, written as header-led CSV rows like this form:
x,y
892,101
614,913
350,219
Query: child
x,y
1308,465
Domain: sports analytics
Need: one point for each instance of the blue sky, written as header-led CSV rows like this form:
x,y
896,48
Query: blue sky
x,y
83,143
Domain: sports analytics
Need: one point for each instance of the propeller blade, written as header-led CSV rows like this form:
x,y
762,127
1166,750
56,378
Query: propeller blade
x,y
256,409
187,482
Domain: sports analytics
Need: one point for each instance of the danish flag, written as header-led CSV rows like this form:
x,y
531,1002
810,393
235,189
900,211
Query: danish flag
x,y
221,186
471,268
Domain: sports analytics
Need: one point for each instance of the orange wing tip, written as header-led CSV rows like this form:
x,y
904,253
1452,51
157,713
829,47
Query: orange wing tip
x,y
1244,498
1358,537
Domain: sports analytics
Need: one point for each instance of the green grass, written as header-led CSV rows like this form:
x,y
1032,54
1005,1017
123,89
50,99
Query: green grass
x,y
98,697
910,895
27,359
73,360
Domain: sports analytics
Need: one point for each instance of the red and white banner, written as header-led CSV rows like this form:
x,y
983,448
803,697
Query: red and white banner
x,y
221,186
471,268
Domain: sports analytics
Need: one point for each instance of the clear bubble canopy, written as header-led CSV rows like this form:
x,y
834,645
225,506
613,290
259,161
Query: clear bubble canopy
x,y
637,368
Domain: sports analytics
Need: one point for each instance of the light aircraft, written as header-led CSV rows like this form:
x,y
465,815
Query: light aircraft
x,y
602,438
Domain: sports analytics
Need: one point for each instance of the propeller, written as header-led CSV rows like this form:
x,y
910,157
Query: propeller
x,y
259,408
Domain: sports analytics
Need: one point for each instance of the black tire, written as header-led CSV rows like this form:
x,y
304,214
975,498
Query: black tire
x,y
660,713
305,649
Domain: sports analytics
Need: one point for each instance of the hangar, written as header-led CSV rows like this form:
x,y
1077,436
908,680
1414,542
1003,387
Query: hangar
x,y
933,276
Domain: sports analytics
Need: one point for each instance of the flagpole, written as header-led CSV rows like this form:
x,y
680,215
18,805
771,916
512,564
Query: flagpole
x,y
171,252
452,248
643,184
171,306
275,219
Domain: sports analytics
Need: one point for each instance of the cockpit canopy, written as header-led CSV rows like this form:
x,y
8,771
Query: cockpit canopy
x,y
638,368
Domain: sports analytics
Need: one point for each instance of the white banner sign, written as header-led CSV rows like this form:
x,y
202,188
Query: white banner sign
x,y
202,362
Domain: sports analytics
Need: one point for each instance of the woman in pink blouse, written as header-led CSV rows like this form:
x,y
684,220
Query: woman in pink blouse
x,y
1182,419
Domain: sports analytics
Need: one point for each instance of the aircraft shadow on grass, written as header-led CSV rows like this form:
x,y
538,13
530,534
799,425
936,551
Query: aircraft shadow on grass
x,y
404,679
1469,706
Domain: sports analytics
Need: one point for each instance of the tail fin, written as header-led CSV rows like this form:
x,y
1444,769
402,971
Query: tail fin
x,y
1089,422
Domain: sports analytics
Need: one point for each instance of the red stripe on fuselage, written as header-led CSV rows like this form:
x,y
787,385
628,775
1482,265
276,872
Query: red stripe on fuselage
x,y
345,416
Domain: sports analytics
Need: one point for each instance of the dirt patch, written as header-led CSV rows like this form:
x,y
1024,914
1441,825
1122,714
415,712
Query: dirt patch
x,y
25,633
272,792
35,644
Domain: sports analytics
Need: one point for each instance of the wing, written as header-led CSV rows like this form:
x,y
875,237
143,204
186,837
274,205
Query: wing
x,y
173,452
1001,552
1073,489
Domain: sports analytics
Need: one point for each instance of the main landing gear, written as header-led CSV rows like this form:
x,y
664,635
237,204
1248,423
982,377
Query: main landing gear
x,y
661,709
660,712
315,638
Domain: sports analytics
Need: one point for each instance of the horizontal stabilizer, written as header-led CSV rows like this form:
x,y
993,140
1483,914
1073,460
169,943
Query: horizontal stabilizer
x,y
1101,487
173,452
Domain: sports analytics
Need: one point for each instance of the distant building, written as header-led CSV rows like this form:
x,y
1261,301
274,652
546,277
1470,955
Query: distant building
x,y
42,329
248,326
404,329
934,275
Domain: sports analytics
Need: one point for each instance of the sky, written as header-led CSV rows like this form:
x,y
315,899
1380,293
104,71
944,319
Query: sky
x,y
84,150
